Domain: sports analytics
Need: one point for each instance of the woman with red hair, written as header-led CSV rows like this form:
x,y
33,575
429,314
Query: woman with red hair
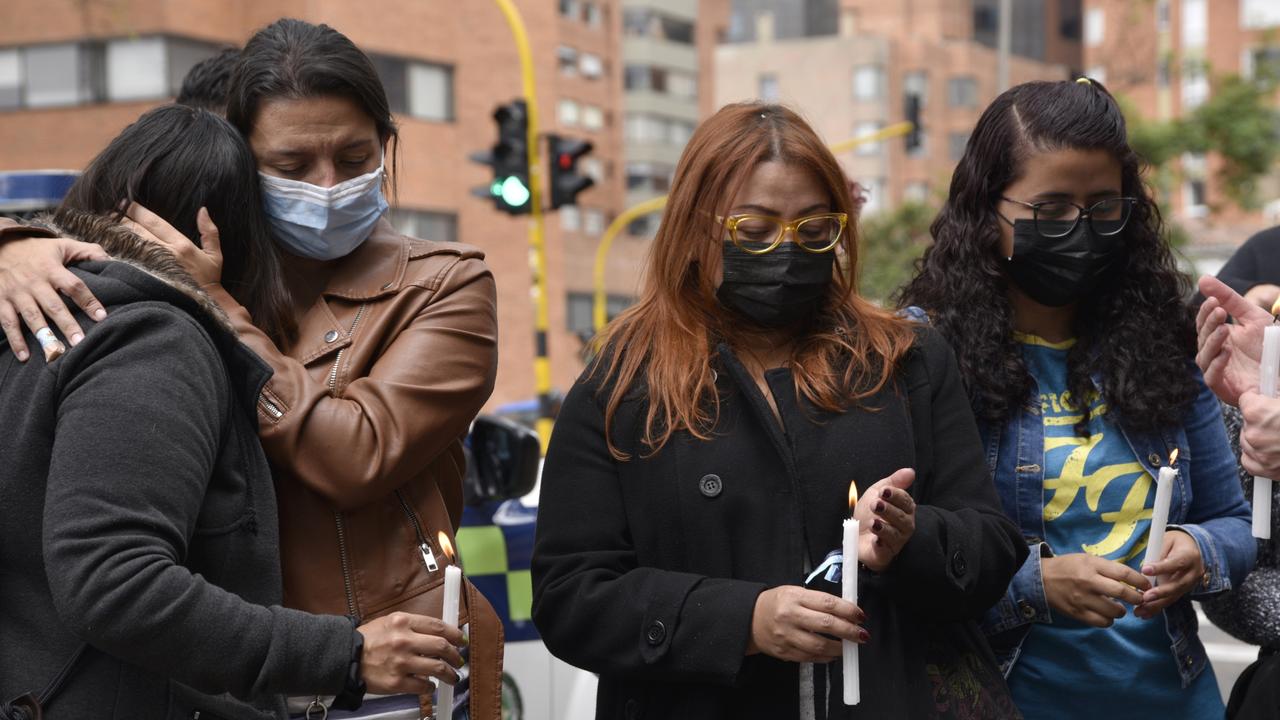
x,y
701,466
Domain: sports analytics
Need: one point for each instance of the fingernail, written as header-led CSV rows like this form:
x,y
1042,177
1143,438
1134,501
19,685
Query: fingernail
x,y
22,356
99,314
864,636
886,493
862,617
1148,570
876,526
879,506
75,339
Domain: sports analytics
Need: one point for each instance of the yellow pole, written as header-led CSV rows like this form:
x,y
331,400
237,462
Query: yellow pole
x,y
599,308
537,241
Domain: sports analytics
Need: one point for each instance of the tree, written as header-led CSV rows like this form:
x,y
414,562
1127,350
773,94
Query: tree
x,y
889,244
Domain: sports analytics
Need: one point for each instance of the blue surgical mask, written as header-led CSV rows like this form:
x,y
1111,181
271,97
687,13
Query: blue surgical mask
x,y
323,223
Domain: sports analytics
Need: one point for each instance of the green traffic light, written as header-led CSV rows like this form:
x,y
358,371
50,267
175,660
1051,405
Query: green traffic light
x,y
512,191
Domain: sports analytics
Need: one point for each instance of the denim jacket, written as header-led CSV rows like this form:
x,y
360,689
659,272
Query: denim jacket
x,y
1207,504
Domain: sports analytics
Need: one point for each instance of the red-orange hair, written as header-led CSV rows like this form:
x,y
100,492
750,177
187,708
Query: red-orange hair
x,y
666,340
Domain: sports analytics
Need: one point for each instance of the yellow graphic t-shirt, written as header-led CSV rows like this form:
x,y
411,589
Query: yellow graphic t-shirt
x,y
1097,500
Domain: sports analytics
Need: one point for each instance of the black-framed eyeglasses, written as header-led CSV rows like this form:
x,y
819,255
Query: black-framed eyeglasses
x,y
1058,218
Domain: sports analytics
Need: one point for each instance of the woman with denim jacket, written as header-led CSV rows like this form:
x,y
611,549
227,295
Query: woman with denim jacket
x,y
1052,277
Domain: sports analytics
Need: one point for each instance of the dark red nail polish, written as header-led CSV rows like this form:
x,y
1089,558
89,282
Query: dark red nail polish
x,y
886,493
864,636
877,526
879,506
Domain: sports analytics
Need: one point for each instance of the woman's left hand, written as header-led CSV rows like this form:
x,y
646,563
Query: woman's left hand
x,y
1260,436
1178,572
886,519
203,263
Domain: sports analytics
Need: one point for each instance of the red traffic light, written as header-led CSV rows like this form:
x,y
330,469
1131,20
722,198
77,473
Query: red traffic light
x,y
565,161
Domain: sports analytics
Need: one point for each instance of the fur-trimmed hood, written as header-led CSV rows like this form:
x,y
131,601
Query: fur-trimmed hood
x,y
125,246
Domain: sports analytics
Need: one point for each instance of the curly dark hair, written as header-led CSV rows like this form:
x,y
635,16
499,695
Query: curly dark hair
x,y
1135,332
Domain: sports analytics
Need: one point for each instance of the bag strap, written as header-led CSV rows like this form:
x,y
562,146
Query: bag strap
x,y
29,707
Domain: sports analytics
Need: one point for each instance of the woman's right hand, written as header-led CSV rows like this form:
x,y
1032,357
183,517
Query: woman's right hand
x,y
32,274
789,623
1086,587
1228,354
402,650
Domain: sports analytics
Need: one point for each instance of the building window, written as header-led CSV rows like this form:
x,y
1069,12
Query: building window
x,y
957,142
875,192
1095,26
1162,16
56,75
863,129
570,218
649,177
592,117
917,83
644,22
916,192
1098,72
426,224
962,92
986,20
1261,62
1164,72
682,84
430,90
580,309
868,82
567,113
592,14
593,222
136,69
567,61
768,84
590,65
10,79
1195,23
1069,19
593,168
645,226
679,132
1195,85
1259,14
569,9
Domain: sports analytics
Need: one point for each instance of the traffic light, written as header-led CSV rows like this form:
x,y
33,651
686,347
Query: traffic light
x,y
911,112
566,182
509,159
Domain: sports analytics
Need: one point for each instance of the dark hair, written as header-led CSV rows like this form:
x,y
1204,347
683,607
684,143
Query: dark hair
x,y
296,59
206,83
1134,331
176,159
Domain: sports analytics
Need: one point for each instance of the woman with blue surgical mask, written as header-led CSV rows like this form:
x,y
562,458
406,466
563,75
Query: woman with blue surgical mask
x,y
363,433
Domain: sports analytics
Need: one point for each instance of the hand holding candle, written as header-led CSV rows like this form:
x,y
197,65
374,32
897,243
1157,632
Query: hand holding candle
x,y
1267,373
449,615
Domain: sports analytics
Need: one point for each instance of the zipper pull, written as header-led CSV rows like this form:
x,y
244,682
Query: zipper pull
x,y
429,557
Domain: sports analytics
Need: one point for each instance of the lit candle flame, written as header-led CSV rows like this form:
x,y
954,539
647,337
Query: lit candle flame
x,y
853,496
1275,307
1173,458
446,546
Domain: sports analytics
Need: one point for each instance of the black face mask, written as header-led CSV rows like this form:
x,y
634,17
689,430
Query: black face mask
x,y
778,288
1060,271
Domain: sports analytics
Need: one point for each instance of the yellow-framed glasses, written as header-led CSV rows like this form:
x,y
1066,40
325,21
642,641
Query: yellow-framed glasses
x,y
760,234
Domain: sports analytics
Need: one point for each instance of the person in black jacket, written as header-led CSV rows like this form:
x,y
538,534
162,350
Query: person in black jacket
x,y
138,553
701,466
1253,270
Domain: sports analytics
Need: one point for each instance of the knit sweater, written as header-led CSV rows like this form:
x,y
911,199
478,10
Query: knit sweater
x,y
1251,612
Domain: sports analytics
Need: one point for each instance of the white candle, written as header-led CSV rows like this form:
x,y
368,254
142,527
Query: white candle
x,y
1267,387
449,615
1160,514
849,591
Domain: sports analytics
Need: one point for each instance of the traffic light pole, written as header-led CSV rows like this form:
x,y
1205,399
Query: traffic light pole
x,y
537,241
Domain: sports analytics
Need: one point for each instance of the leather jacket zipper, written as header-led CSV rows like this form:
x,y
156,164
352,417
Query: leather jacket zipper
x,y
270,407
337,516
346,565
424,546
333,372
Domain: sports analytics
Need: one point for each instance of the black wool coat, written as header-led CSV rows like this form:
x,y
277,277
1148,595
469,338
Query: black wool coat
x,y
647,571
137,516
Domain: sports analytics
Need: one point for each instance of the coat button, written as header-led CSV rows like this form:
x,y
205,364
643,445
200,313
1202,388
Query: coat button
x,y
958,564
633,709
710,485
656,633
1028,612
1155,460
331,336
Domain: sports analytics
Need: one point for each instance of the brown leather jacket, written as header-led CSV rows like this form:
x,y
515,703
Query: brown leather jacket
x,y
363,421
